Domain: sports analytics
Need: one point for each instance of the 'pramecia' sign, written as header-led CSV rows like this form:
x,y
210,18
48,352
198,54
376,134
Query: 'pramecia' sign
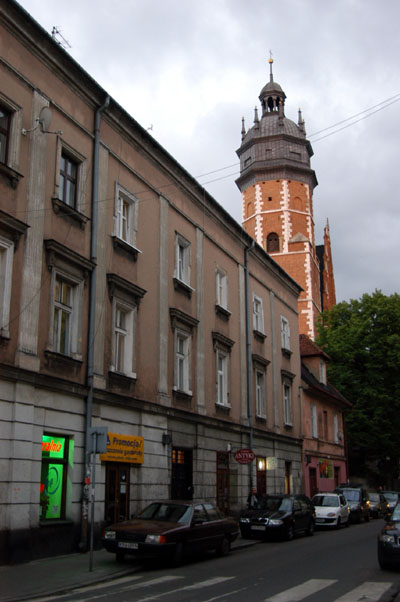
x,y
123,448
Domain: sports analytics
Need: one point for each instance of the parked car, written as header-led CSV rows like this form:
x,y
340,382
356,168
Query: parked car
x,y
392,498
171,530
331,509
378,504
389,540
358,499
283,515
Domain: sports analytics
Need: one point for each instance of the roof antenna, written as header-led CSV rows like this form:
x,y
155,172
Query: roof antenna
x,y
59,38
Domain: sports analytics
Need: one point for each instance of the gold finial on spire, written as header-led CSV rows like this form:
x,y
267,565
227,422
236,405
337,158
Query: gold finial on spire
x,y
270,60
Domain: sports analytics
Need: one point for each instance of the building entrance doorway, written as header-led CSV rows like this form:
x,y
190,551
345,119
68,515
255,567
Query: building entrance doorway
x,y
117,492
313,481
182,474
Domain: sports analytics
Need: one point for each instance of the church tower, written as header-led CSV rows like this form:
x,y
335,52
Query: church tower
x,y
277,184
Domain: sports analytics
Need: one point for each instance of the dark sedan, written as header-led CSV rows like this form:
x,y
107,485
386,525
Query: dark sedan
x,y
389,541
282,515
170,530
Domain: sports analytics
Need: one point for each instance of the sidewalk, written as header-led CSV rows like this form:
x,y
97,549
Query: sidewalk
x,y
61,574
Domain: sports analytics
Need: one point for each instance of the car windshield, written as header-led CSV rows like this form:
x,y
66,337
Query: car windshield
x,y
352,495
174,513
326,500
390,496
396,513
374,497
276,503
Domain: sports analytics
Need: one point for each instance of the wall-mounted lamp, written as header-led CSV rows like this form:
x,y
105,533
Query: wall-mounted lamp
x,y
166,439
228,447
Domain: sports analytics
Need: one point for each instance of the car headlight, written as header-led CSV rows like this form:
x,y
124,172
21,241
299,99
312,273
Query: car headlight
x,y
155,539
109,535
244,520
275,522
385,538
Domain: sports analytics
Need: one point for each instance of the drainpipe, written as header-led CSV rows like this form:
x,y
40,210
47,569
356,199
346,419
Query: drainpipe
x,y
91,329
248,357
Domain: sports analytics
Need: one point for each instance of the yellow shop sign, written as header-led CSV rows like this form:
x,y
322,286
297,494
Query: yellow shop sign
x,y
123,448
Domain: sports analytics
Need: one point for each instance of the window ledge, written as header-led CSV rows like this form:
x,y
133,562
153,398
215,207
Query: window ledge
x,y
180,395
120,244
11,174
225,408
59,207
261,419
182,287
286,352
222,312
288,426
62,363
259,336
121,380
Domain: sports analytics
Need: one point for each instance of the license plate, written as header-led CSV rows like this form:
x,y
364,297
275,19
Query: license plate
x,y
320,520
258,527
128,544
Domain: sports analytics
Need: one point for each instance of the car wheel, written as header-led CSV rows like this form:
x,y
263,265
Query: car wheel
x,y
310,529
289,532
347,523
338,523
367,517
245,533
119,556
177,556
224,547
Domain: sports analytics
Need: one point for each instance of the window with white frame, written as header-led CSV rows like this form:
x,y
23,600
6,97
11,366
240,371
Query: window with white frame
x,y
258,314
222,348
314,421
287,401
285,333
68,190
222,378
182,260
261,406
68,273
125,297
322,371
182,361
222,288
126,210
10,139
335,428
6,267
124,338
5,123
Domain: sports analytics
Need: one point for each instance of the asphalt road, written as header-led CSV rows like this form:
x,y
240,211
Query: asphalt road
x,y
332,566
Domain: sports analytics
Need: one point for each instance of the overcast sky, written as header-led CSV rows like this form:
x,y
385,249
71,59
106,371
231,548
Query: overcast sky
x,y
191,70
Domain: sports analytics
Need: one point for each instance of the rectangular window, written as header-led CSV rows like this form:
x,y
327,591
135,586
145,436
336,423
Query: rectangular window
x,y
314,422
260,394
287,402
68,180
182,362
126,208
222,289
182,268
222,378
335,428
6,267
56,453
5,121
285,333
322,372
62,319
258,314
124,338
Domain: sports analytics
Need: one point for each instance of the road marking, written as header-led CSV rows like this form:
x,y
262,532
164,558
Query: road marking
x,y
369,591
300,592
200,585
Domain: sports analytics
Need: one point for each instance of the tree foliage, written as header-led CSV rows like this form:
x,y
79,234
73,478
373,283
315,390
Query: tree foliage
x,y
362,338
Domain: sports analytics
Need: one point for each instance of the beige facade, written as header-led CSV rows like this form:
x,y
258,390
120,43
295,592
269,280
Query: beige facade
x,y
132,301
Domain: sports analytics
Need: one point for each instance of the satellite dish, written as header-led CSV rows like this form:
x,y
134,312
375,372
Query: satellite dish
x,y
44,119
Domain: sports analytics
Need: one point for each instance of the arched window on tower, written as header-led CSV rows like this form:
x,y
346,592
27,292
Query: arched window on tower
x,y
271,104
272,243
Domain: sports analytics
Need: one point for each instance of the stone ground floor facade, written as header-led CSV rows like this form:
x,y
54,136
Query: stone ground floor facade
x,y
176,455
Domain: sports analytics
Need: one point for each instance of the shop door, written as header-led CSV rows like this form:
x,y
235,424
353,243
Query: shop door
x,y
261,477
313,481
337,475
182,474
288,477
223,498
117,492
